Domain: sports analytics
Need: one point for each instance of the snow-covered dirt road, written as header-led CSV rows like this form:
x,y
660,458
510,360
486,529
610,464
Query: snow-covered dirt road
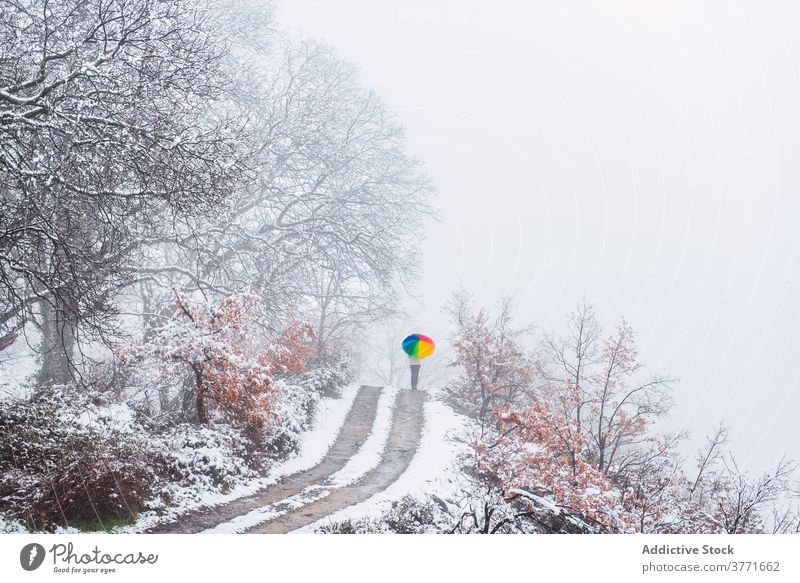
x,y
354,431
371,429
404,437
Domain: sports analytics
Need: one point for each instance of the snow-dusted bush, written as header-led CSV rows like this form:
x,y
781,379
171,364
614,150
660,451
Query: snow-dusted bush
x,y
478,508
8,526
92,455
296,402
493,367
67,457
197,461
409,515
327,374
75,457
215,350
201,460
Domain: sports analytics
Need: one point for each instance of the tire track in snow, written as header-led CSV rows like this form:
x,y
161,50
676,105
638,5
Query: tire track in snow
x,y
368,456
401,445
355,430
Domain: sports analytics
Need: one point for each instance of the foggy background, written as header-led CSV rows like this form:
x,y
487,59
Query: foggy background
x,y
640,154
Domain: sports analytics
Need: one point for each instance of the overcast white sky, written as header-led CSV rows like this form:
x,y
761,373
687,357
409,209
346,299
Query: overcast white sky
x,y
643,154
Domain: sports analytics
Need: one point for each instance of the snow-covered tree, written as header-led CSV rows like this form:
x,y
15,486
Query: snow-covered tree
x,y
598,383
329,226
111,126
222,349
583,450
493,368
532,453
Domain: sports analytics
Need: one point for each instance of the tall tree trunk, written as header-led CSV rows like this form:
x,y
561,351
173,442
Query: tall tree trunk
x,y
202,407
145,294
58,342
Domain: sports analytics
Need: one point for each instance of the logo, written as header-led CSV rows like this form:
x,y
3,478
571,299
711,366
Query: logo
x,y
31,556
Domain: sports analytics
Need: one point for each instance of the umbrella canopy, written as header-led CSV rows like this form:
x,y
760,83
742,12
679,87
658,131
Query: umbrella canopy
x,y
419,346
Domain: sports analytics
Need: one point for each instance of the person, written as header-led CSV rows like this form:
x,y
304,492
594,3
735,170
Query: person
x,y
415,366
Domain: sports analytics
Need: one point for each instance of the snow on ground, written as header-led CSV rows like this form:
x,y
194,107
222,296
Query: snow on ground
x,y
316,442
116,416
9,526
371,452
313,445
265,513
432,471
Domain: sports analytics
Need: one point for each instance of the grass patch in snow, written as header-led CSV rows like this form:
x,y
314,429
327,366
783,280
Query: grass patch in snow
x,y
108,525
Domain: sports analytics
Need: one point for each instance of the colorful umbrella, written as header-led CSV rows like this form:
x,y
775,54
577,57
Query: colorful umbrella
x,y
419,346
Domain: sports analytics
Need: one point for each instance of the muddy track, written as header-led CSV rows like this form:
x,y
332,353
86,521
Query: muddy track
x,y
404,437
357,426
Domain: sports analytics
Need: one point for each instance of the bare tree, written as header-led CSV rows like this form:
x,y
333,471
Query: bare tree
x,y
707,458
785,519
328,228
738,502
106,134
597,384
573,354
386,362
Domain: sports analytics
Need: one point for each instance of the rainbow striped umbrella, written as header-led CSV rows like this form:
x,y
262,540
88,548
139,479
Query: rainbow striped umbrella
x,y
419,346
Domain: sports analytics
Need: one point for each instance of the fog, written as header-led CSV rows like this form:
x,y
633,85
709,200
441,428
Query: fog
x,y
639,154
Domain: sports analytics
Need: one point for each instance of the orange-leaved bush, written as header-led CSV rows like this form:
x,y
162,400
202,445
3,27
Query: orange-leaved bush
x,y
493,368
579,446
536,451
232,364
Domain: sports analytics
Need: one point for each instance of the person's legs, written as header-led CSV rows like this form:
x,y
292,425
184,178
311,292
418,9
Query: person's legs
x,y
414,375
